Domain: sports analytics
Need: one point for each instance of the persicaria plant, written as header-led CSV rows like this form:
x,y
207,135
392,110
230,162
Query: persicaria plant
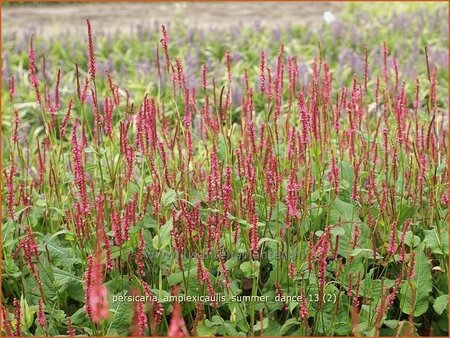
x,y
232,173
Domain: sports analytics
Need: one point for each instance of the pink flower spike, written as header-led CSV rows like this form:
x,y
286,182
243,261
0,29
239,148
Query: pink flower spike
x,y
91,56
70,329
292,194
40,314
392,249
18,308
334,175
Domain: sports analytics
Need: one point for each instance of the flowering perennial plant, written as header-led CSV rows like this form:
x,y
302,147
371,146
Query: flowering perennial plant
x,y
250,175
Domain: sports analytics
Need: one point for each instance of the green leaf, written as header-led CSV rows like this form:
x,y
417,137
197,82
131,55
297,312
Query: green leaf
x,y
371,288
48,279
347,172
27,313
40,203
290,322
7,234
437,244
343,211
175,278
112,333
122,251
250,269
347,214
411,240
62,277
416,290
364,252
440,304
272,329
293,305
338,231
121,316
163,239
391,323
266,239
205,331
230,330
117,284
169,197
221,148
231,263
264,324
209,323
75,290
79,317
60,256
367,316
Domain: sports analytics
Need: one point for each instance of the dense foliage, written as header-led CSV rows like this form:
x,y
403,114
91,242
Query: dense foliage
x,y
291,181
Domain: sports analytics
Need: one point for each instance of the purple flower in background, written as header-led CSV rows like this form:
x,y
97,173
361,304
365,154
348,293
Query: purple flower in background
x,y
338,30
276,33
5,70
236,56
236,95
257,26
235,31
438,57
304,72
143,67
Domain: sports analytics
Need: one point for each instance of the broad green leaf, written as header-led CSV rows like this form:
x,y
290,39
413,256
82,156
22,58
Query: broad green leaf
x,y
121,251
169,197
177,277
49,282
120,316
272,329
112,333
293,305
400,328
437,243
338,231
414,292
347,172
411,240
250,269
75,290
221,148
60,256
290,322
41,203
440,304
162,240
204,330
210,323
264,324
62,277
266,239
10,269
347,214
231,263
230,330
405,212
364,252
391,323
367,320
371,288
79,317
27,313
343,211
